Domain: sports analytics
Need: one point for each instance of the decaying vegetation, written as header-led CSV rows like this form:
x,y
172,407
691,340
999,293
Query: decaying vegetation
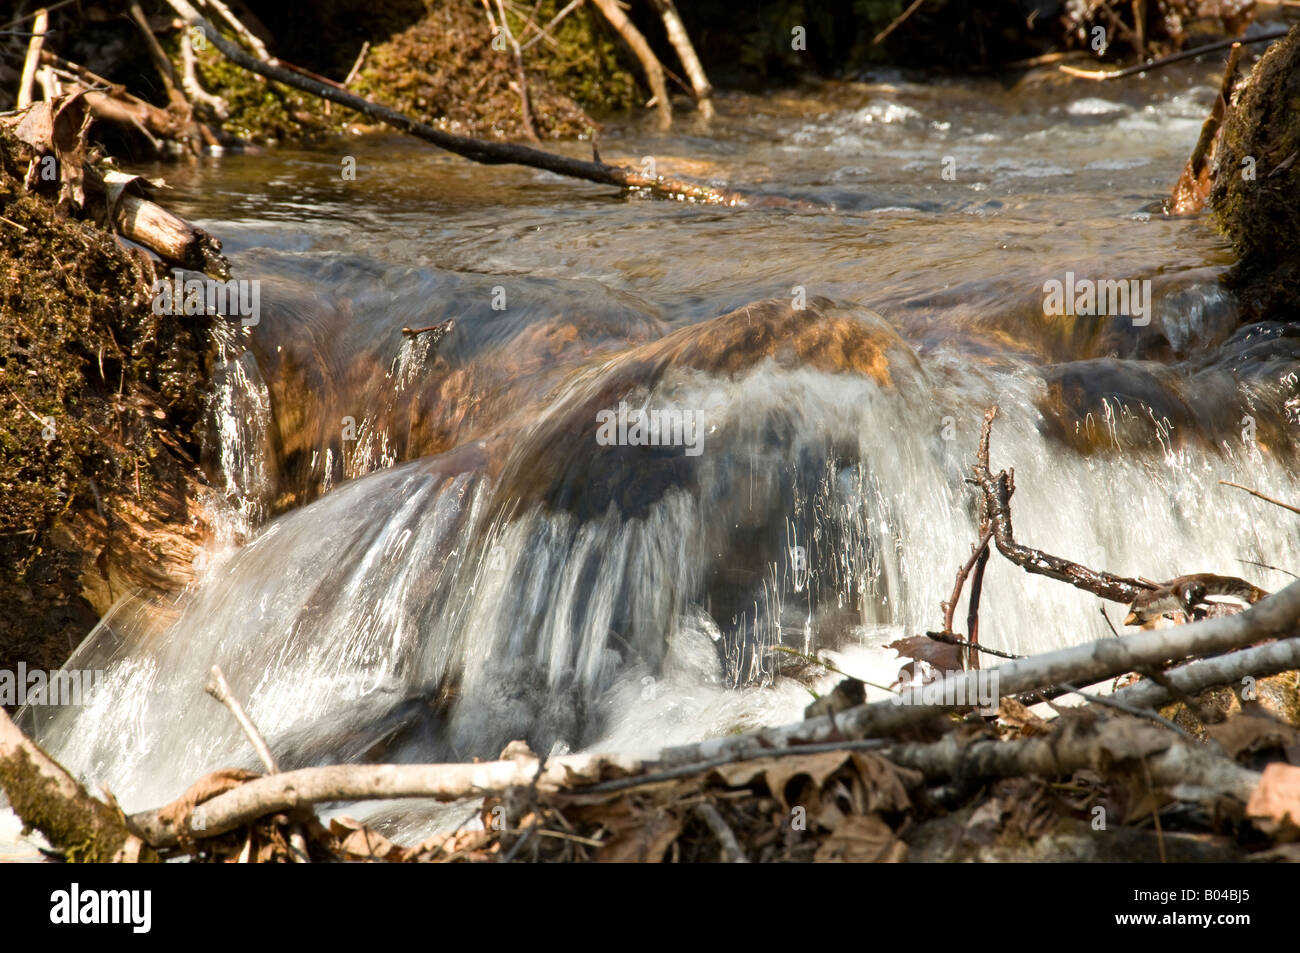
x,y
101,398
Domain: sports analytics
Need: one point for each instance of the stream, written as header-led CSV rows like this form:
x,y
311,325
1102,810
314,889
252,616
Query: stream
x,y
426,551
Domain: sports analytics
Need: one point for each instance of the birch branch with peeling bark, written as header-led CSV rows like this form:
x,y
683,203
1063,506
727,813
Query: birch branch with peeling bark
x,y
1278,615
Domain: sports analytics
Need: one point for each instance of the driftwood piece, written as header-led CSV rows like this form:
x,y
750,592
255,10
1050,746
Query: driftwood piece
x,y
52,801
681,41
220,689
1279,615
1147,600
997,491
477,150
175,240
28,78
1257,662
654,70
293,789
1193,771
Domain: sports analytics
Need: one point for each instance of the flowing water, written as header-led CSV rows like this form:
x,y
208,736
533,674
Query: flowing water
x,y
427,552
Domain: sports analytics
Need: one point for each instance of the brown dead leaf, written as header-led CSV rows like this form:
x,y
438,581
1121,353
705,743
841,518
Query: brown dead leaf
x,y
778,773
1247,733
944,657
643,841
862,840
1018,716
1274,807
884,783
57,129
178,814
358,840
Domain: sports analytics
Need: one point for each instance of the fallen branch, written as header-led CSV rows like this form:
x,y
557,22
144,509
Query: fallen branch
x,y
1079,745
477,150
28,78
997,496
521,76
1256,493
654,70
543,32
190,80
1257,662
1101,75
50,800
681,42
898,21
219,689
1147,600
248,35
353,782
731,851
1087,664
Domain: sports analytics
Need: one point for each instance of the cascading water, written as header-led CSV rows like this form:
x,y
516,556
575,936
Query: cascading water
x,y
515,578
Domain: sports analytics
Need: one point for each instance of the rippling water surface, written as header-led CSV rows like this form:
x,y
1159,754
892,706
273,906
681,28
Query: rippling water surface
x,y
426,552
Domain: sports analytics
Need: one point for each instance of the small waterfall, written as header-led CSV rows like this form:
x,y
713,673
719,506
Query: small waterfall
x,y
572,594
239,423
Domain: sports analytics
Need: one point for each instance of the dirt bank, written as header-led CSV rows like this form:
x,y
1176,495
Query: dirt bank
x,y
100,401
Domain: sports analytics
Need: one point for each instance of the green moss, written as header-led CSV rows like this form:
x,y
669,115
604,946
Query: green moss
x,y
89,376
442,69
260,110
1258,178
94,836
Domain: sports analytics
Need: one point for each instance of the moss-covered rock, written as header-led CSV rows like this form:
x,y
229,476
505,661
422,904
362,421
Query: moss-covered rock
x,y
440,67
446,71
1257,182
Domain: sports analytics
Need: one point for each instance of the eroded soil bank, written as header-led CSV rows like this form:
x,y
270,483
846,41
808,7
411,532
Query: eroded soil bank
x,y
101,402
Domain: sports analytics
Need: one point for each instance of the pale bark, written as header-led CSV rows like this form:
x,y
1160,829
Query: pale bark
x,y
34,45
654,71
1193,771
681,41
1086,664
52,801
1257,662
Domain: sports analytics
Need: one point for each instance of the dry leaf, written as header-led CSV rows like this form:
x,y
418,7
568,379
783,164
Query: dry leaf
x,y
1012,712
862,840
1246,733
944,657
1274,807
